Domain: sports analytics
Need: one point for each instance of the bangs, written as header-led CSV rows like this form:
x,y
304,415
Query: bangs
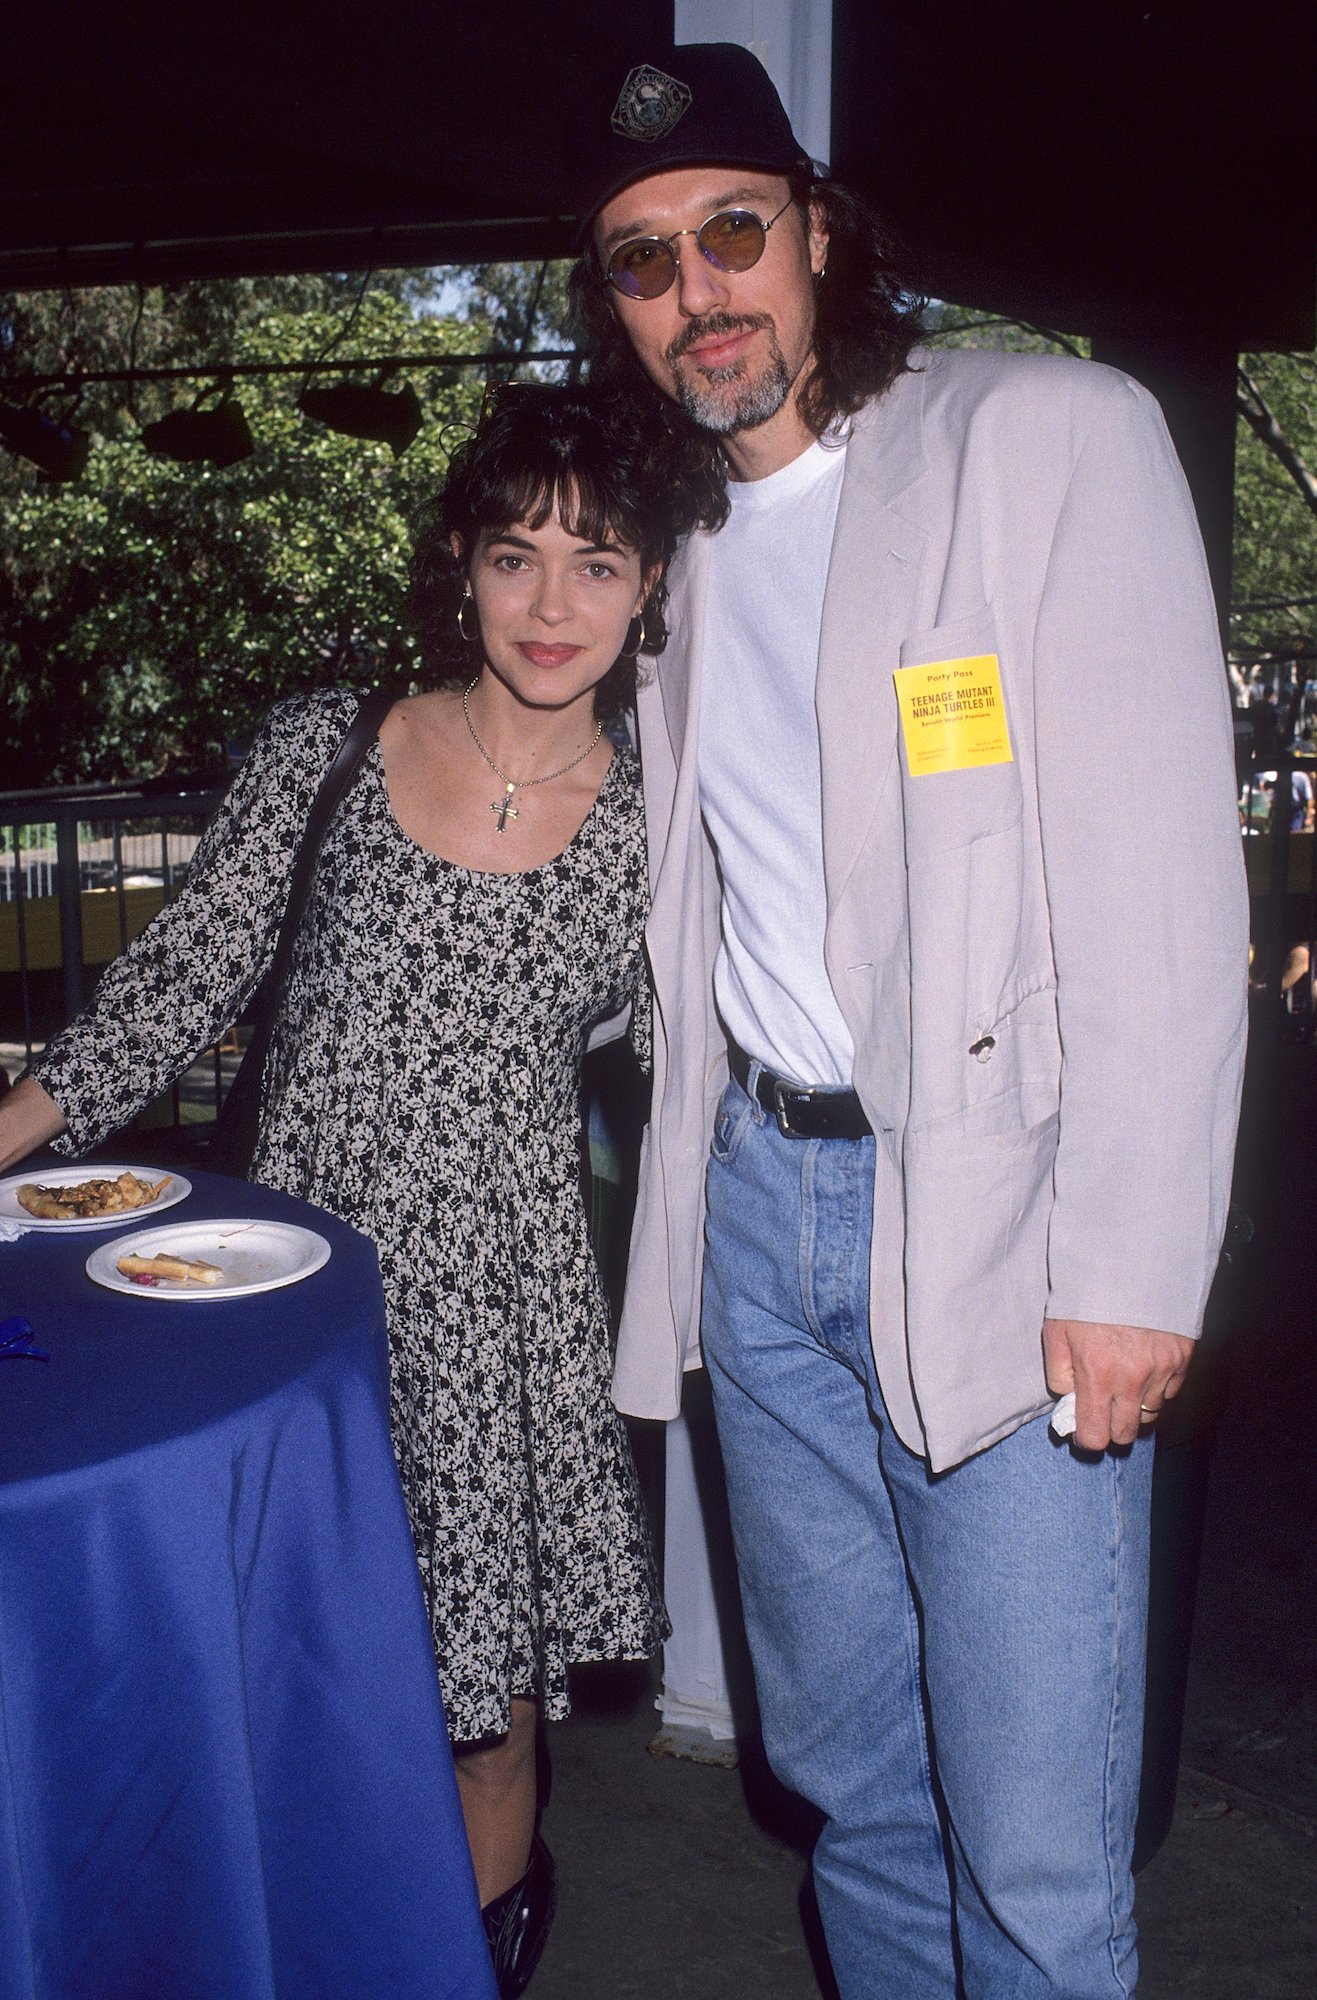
x,y
546,449
531,494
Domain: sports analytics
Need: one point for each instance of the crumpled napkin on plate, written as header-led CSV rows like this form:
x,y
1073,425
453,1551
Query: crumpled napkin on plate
x,y
11,1231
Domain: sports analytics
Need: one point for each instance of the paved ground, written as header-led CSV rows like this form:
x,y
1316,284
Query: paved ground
x,y
681,1882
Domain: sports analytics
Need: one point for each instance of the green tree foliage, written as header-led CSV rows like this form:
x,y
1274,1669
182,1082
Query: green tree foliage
x,y
524,305
961,326
151,611
1274,595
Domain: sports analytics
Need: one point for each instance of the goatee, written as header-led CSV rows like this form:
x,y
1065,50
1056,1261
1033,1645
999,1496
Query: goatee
x,y
730,399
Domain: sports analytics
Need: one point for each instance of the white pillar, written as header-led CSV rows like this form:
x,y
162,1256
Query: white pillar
x,y
695,1704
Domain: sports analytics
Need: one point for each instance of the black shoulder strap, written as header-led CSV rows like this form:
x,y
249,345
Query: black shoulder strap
x,y
344,765
235,1130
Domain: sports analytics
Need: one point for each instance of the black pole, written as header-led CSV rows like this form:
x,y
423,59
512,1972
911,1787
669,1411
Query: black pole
x,y
70,910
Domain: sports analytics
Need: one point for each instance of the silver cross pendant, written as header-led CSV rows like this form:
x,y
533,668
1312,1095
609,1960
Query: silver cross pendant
x,y
505,809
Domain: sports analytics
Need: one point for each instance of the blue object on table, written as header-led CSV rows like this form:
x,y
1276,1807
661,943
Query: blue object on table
x,y
18,1340
224,1771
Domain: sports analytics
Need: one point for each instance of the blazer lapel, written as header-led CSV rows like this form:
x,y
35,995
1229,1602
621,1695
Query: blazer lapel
x,y
679,666
874,580
672,797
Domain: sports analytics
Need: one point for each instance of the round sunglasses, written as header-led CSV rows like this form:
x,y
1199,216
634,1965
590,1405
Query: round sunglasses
x,y
731,240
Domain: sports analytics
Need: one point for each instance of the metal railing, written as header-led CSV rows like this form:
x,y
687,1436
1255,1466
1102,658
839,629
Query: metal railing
x,y
83,868
106,852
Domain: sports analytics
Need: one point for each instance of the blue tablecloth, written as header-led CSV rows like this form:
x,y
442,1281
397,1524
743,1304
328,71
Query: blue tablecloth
x,y
224,1773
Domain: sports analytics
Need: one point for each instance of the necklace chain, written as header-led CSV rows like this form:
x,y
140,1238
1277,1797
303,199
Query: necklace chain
x,y
504,806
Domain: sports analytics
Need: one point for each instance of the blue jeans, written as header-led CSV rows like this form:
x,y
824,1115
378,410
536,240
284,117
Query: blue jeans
x,y
950,1668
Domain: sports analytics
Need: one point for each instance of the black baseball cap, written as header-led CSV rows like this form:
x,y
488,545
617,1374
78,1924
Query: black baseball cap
x,y
708,103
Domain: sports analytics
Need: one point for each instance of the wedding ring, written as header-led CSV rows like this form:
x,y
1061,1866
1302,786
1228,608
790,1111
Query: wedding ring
x,y
1150,1413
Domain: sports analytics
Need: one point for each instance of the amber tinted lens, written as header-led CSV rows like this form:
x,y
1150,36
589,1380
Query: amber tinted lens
x,y
642,269
734,240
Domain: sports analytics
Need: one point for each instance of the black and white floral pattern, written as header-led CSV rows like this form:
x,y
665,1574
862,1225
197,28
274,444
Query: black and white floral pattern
x,y
423,1084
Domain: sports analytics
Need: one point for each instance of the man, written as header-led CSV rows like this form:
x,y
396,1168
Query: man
x,y
922,891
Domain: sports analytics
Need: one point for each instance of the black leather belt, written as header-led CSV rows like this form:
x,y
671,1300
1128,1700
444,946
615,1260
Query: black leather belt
x,y
802,1113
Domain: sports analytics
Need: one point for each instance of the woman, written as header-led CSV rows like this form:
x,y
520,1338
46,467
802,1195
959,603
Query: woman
x,y
478,905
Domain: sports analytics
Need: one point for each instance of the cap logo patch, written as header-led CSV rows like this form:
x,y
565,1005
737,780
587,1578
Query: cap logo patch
x,y
649,104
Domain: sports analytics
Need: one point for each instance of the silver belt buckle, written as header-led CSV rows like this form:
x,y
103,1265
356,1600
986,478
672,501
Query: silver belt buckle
x,y
781,1109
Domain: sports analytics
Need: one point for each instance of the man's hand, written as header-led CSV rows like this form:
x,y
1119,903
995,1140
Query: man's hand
x,y
1121,1375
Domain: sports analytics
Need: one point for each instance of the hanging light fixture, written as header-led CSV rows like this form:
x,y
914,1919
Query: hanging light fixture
x,y
59,450
366,410
217,436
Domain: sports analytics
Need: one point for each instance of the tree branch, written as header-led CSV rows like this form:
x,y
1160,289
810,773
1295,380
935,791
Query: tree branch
x,y
972,322
1253,408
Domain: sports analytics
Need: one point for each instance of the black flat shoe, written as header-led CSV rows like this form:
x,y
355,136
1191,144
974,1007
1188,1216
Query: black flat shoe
x,y
517,1922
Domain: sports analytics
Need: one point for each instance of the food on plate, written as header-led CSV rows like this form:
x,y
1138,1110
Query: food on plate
x,y
82,1199
170,1270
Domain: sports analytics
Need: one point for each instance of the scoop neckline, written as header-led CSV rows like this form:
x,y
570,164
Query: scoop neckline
x,y
488,874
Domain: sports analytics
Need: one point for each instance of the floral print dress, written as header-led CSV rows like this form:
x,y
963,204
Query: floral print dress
x,y
423,1084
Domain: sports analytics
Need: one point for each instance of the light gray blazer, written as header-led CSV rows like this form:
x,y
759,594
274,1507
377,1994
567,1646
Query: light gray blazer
x,y
1083,905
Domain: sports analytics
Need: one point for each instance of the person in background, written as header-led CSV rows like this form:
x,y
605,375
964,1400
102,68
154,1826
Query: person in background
x,y
1300,799
478,905
919,891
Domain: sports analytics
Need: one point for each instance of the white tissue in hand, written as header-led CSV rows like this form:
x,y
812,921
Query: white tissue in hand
x,y
1062,1420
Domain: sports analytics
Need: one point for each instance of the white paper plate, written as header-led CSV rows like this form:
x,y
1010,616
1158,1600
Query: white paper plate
x,y
12,1209
254,1257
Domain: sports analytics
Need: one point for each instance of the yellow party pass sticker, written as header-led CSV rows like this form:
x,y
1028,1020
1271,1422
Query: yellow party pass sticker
x,y
953,715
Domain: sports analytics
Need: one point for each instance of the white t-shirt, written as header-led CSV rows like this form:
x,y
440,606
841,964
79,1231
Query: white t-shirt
x,y
760,786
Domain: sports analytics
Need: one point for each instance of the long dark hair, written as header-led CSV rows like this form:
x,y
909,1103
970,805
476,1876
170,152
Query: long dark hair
x,y
868,318
607,472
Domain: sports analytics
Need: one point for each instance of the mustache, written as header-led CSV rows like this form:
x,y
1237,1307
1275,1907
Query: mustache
x,y
718,324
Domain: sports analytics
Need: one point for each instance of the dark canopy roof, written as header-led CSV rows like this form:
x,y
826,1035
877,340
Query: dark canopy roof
x,y
1094,164
1110,166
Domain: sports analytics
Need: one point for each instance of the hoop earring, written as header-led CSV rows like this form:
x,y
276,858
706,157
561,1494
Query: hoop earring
x,y
637,639
470,638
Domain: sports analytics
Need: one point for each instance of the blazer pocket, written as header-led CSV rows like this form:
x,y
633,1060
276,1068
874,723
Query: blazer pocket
x,y
946,809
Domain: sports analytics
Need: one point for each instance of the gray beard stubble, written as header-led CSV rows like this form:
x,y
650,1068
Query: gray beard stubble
x,y
753,402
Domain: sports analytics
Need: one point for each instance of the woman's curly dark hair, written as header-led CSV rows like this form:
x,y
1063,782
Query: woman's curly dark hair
x,y
867,320
609,471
